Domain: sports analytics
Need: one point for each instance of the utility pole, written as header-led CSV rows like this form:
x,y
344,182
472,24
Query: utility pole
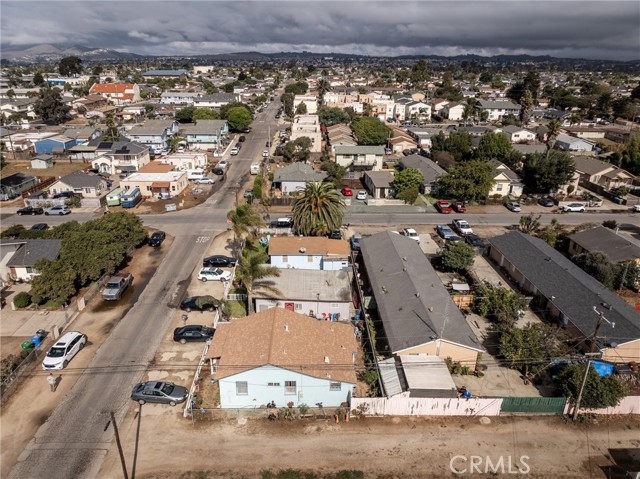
x,y
584,382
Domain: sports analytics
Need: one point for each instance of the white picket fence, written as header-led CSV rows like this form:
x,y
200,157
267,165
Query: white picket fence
x,y
402,405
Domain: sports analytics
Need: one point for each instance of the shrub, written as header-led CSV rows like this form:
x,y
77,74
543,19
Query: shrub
x,y
22,299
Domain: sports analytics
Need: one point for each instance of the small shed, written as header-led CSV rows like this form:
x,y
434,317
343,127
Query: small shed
x,y
41,162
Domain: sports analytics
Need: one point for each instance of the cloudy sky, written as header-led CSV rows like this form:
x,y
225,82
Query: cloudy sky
x,y
604,29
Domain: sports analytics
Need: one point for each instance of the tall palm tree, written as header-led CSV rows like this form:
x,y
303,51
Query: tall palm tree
x,y
243,218
318,210
251,272
554,129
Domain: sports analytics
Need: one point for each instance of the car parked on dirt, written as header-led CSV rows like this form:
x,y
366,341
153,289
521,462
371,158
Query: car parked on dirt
x,y
205,181
159,392
193,332
63,350
573,207
219,260
474,240
546,202
513,206
157,238
29,210
213,274
462,227
192,304
444,231
411,233
57,210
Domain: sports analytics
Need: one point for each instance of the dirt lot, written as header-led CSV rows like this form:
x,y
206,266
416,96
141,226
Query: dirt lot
x,y
60,168
400,448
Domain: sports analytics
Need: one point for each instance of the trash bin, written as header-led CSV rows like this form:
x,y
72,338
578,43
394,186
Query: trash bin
x,y
26,345
36,339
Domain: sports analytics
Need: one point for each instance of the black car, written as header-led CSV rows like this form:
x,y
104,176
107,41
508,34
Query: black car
x,y
246,129
157,238
546,202
335,234
193,332
191,304
474,240
29,210
267,144
219,260
242,138
40,226
64,194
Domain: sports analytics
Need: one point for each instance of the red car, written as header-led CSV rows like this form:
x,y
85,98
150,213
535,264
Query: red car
x,y
346,191
459,207
443,206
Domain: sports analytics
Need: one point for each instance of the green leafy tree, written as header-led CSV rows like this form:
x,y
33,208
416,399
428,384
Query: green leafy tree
x,y
409,196
409,178
207,302
332,116
50,107
38,79
599,391
458,256
630,155
471,181
597,264
494,146
298,88
500,306
545,173
301,109
370,131
56,281
204,114
70,66
298,149
530,223
458,143
243,219
239,118
225,109
287,103
111,133
185,115
253,271
335,172
319,210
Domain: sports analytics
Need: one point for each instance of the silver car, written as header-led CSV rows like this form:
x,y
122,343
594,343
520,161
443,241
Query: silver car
x,y
160,392
57,210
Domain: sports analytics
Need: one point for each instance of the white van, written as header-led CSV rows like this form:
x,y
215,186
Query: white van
x,y
193,175
255,168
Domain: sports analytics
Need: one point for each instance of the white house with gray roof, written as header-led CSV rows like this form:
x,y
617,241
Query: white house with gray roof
x,y
359,157
430,170
416,311
215,100
498,109
18,257
571,143
178,97
293,178
85,184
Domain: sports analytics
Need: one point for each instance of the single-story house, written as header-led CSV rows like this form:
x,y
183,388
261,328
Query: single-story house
x,y
309,252
430,170
571,143
359,157
379,183
400,143
606,175
17,257
55,144
506,181
292,358
586,132
418,376
603,240
529,149
293,178
83,135
178,97
215,100
164,184
319,294
88,185
14,185
517,134
416,310
189,160
206,134
569,295
41,162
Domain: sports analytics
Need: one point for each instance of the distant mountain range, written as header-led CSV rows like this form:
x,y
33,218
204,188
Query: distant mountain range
x,y
48,53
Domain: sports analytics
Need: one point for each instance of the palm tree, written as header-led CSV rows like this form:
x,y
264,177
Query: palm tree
x,y
318,210
243,218
251,272
554,129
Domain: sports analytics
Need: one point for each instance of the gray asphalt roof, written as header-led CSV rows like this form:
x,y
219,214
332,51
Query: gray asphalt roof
x,y
80,179
306,284
414,306
205,127
529,149
617,248
498,105
590,165
16,179
33,250
380,179
359,150
298,172
430,170
570,289
505,170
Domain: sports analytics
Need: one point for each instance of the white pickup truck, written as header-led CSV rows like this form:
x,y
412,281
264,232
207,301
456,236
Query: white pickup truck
x,y
116,286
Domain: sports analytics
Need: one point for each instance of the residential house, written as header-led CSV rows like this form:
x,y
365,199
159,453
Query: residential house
x,y
571,143
417,111
283,357
189,160
178,97
417,313
619,135
293,178
340,135
517,134
83,135
524,149
18,257
85,184
154,133
379,184
399,143
88,102
359,157
215,100
158,182
614,246
594,171
319,294
586,132
438,104
22,107
14,185
506,181
453,111
309,126
430,170
54,144
206,134
151,74
569,295
311,101
117,93
309,252
119,156
498,109
41,162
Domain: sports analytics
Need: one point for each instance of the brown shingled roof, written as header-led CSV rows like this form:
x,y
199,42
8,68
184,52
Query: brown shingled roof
x,y
313,245
321,349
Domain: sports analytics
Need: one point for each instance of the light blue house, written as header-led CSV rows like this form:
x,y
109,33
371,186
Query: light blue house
x,y
54,144
283,357
206,134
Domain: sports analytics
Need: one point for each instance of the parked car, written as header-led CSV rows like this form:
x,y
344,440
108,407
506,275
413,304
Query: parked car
x,y
241,138
454,239
444,231
265,154
334,234
268,144
191,304
362,195
636,208
159,392
29,210
573,207
346,191
462,227
116,286
213,274
513,206
443,206
355,241
157,238
193,332
40,226
64,194
205,181
235,151
459,207
219,260
546,202
474,240
248,193
63,350
246,129
57,210
411,233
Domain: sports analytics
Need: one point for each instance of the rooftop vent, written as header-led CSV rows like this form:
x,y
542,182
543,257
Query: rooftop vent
x,y
326,359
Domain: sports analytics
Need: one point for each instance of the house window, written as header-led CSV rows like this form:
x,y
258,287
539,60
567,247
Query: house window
x,y
173,187
148,188
273,385
298,306
499,187
285,258
30,270
309,259
242,388
289,387
87,190
335,386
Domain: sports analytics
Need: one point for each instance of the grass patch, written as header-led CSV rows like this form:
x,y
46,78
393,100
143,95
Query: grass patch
x,y
51,304
238,309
